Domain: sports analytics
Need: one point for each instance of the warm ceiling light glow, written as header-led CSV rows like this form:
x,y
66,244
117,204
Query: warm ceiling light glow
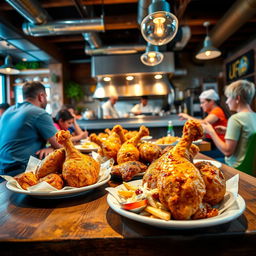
x,y
158,76
208,51
129,78
8,69
24,59
160,26
107,79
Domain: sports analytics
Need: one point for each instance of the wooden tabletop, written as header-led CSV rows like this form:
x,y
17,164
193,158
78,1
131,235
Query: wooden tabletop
x,y
85,225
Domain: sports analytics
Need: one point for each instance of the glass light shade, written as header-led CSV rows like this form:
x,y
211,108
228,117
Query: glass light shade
x,y
151,58
208,52
8,68
159,28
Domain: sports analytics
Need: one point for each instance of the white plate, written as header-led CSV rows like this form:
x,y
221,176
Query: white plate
x,y
216,163
146,138
59,193
85,150
233,212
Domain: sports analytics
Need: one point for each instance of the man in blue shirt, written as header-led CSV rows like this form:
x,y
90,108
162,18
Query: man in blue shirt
x,y
24,130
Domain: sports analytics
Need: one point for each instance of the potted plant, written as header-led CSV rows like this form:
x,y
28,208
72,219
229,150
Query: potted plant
x,y
73,91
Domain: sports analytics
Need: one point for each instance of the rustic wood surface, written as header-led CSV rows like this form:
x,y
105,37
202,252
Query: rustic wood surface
x,y
85,225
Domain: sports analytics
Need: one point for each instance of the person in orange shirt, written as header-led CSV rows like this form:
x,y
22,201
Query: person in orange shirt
x,y
215,116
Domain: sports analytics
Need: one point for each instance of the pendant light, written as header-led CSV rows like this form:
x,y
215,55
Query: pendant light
x,y
152,56
8,68
208,51
160,26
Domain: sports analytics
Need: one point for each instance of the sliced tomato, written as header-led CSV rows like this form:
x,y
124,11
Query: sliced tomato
x,y
135,206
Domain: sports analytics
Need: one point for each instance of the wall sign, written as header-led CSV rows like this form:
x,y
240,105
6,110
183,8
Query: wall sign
x,y
240,67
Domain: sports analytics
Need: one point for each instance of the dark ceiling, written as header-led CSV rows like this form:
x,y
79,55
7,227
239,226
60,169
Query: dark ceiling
x,y
121,28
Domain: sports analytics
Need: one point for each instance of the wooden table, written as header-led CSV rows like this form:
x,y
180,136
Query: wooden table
x,y
85,225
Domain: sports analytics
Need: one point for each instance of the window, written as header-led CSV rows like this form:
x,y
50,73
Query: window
x,y
2,89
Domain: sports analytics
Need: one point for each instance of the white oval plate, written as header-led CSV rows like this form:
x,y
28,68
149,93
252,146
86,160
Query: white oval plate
x,y
233,212
63,193
146,138
216,163
86,150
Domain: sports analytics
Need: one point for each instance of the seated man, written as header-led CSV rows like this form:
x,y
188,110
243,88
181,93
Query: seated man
x,y
24,130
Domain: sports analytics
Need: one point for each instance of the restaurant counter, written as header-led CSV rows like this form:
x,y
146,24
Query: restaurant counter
x,y
86,225
152,122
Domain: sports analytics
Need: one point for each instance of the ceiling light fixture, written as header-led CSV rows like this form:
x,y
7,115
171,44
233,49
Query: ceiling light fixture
x,y
208,51
158,76
8,68
107,79
129,78
160,26
152,56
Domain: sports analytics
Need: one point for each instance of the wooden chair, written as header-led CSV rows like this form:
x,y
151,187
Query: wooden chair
x,y
249,163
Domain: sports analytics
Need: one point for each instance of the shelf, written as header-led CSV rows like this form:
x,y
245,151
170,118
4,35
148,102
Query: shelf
x,y
18,84
34,71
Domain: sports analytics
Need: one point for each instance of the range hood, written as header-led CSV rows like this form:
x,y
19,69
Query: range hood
x,y
118,67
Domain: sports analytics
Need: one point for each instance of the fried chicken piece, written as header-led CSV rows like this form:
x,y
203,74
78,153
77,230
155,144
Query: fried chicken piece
x,y
130,134
26,179
128,150
52,163
214,180
180,185
128,169
149,152
204,211
54,180
110,146
103,135
78,170
152,172
119,130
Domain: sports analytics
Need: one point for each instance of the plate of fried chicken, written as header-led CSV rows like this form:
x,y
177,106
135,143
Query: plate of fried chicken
x,y
65,172
191,194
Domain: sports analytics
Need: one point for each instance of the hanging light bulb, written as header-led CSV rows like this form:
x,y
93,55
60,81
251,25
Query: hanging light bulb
x,y
152,56
8,68
160,26
208,51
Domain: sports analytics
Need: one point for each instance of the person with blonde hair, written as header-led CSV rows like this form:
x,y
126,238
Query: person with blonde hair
x,y
240,126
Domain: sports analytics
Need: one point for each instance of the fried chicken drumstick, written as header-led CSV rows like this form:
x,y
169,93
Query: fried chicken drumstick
x,y
79,170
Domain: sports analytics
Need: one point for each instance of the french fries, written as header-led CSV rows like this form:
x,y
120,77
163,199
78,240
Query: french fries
x,y
161,214
154,209
125,194
129,186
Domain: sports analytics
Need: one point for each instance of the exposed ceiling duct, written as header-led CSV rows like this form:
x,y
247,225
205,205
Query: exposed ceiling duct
x,y
30,10
241,12
64,27
118,49
92,39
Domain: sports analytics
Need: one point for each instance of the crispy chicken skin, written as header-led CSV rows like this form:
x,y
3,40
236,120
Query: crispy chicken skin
x,y
214,181
149,152
128,169
26,180
204,211
129,150
54,180
79,170
110,146
52,163
130,134
180,185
